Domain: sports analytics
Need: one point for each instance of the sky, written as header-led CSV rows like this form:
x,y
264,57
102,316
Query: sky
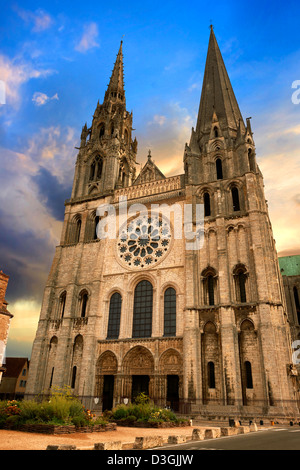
x,y
56,59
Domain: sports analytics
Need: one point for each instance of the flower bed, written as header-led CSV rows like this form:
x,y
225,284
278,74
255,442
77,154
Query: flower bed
x,y
60,414
142,413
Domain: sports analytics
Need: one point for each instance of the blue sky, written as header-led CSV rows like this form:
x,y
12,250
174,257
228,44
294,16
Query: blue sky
x,y
56,59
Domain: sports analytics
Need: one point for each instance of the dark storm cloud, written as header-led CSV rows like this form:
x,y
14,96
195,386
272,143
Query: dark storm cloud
x,y
26,258
52,193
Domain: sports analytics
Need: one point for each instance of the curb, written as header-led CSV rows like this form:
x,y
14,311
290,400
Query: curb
x,y
149,442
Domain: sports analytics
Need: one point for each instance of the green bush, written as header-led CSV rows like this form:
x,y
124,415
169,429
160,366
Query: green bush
x,y
61,408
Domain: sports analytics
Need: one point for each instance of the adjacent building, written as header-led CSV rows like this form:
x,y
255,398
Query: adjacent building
x,y
14,379
5,319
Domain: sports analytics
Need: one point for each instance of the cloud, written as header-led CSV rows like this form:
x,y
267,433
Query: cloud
x,y
88,39
14,73
52,192
40,19
41,98
166,134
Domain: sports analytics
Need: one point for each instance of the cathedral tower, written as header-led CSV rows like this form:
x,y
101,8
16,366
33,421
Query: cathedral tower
x,y
204,331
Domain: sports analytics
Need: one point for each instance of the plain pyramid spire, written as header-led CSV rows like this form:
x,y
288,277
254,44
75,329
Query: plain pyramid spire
x,y
217,97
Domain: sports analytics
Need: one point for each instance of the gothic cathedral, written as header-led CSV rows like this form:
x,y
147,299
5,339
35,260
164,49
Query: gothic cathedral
x,y
203,331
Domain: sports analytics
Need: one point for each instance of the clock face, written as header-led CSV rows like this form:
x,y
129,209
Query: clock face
x,y
144,241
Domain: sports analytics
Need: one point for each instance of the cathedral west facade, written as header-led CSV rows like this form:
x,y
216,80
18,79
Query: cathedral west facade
x,y
202,330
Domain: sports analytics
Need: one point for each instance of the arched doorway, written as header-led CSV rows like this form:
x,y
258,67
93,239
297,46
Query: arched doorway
x,y
171,373
106,370
138,370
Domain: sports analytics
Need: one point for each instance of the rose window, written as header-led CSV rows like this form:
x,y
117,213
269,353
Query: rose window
x,y
144,241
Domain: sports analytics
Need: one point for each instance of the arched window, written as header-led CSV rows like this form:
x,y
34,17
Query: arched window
x,y
142,310
248,370
101,131
96,168
219,169
73,380
207,209
62,304
211,375
77,231
235,198
170,312
297,303
115,305
83,303
240,281
92,171
209,286
210,289
216,132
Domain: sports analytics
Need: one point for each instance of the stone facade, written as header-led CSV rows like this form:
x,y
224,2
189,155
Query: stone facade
x,y
204,331
5,319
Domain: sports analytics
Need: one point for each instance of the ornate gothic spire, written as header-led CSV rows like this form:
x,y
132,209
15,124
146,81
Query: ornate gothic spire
x,y
115,90
217,94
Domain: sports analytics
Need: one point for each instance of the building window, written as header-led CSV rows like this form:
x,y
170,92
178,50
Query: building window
x,y
101,131
240,275
62,304
216,132
96,168
207,209
242,286
219,169
142,310
73,380
209,286
83,303
77,231
170,312
211,375
248,370
297,303
51,378
235,199
114,316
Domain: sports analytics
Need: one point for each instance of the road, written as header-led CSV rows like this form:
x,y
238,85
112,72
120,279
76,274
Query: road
x,y
282,438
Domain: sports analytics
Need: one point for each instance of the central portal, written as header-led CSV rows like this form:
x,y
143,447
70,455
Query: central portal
x,y
140,384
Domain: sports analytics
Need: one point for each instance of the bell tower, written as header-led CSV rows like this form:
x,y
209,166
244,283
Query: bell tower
x,y
107,154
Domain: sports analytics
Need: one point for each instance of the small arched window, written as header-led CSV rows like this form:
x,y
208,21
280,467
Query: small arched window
x,y
216,132
77,231
211,375
170,312
207,208
101,131
219,169
248,371
83,303
235,199
240,275
242,286
114,319
209,287
62,304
